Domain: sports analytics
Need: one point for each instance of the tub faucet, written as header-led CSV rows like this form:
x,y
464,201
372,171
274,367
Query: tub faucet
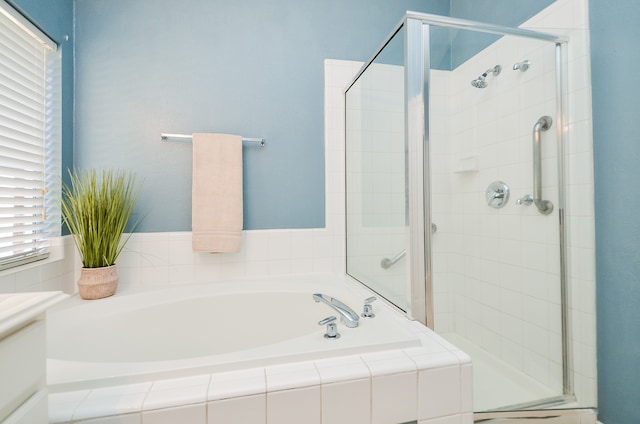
x,y
349,317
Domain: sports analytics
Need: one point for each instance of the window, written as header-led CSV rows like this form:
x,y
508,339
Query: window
x,y
29,140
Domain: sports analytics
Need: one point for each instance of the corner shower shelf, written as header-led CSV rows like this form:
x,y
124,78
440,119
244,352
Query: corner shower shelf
x,y
466,164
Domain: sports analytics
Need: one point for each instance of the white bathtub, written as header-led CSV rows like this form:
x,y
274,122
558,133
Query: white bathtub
x,y
248,351
144,335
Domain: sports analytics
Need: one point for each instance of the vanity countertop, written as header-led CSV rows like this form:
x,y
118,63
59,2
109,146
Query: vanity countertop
x,y
18,309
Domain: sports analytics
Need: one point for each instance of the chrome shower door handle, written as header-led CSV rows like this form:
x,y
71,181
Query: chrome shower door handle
x,y
545,207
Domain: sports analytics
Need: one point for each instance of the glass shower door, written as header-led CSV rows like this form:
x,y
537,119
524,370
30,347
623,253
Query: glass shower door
x,y
458,125
377,225
494,149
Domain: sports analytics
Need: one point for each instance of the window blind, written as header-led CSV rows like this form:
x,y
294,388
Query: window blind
x,y
26,125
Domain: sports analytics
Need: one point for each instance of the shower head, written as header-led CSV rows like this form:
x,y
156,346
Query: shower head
x,y
481,81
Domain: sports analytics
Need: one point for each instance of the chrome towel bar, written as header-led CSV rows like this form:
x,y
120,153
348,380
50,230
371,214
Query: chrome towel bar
x,y
167,136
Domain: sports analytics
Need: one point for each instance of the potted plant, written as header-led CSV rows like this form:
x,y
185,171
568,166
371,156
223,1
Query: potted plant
x,y
96,208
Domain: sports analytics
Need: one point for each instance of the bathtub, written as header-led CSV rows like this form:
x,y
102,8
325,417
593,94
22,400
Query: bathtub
x,y
141,335
264,330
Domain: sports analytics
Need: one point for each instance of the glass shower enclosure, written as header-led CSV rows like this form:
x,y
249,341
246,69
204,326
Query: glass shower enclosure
x,y
455,197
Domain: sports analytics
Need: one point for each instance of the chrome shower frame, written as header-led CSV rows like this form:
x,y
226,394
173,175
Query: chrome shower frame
x,y
417,91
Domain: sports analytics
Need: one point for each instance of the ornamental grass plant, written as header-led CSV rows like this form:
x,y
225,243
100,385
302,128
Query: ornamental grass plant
x,y
96,208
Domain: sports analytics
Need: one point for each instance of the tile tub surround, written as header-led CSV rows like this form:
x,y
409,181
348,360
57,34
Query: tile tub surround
x,y
425,383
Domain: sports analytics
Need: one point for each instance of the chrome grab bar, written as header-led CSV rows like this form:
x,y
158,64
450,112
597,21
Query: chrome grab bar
x,y
545,207
387,263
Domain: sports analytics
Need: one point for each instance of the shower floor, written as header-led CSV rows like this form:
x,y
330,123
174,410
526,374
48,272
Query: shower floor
x,y
497,385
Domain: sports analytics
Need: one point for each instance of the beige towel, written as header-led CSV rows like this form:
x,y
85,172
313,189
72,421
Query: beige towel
x,y
216,216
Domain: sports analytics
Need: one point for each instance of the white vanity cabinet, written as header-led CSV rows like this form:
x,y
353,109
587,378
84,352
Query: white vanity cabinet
x,y
23,393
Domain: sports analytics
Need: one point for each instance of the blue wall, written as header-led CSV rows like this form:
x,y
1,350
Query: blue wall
x,y
250,68
614,66
55,18
500,12
465,44
247,67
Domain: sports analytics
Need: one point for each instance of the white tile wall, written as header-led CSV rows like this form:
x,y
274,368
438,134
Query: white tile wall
x,y
291,376
454,419
166,258
295,406
63,405
346,403
112,401
439,381
177,392
239,410
242,383
188,414
119,419
394,398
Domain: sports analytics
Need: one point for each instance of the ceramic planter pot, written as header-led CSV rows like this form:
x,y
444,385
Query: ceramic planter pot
x,y
96,283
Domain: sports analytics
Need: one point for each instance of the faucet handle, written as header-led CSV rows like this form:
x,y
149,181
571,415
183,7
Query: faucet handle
x,y
367,311
332,327
526,200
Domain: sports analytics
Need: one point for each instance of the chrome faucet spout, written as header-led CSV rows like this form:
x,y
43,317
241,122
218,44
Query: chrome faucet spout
x,y
348,315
